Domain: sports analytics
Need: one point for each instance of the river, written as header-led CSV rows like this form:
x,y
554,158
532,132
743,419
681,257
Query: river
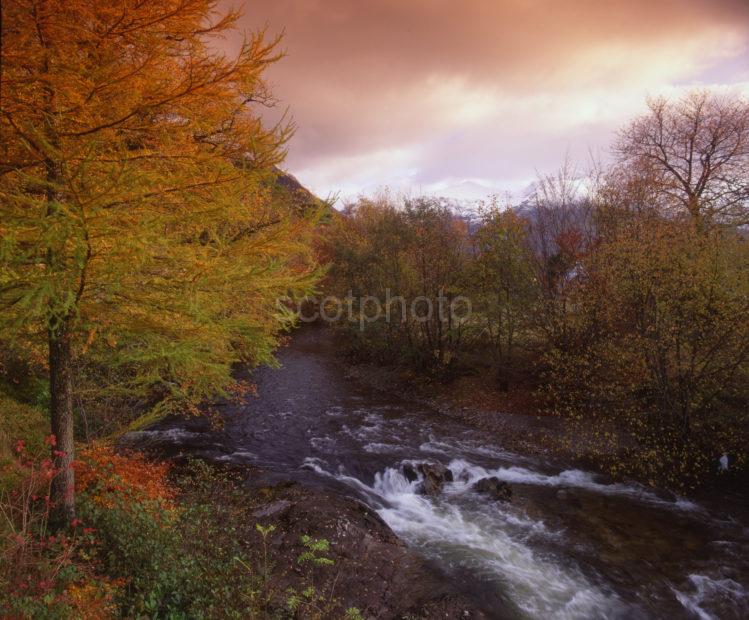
x,y
570,544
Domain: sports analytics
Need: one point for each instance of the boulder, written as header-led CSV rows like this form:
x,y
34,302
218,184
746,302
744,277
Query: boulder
x,y
409,471
495,488
435,476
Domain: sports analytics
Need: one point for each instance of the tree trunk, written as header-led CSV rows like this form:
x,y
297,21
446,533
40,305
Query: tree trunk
x,y
61,414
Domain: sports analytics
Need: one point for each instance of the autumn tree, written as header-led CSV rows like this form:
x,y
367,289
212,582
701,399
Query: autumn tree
x,y
506,289
560,231
437,255
406,259
137,235
695,153
559,228
660,346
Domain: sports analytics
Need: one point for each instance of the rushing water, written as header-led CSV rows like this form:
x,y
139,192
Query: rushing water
x,y
569,545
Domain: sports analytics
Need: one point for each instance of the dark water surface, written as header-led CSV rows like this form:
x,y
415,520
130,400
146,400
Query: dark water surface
x,y
570,545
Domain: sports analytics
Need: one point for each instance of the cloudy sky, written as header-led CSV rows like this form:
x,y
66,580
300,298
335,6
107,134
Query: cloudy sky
x,y
468,97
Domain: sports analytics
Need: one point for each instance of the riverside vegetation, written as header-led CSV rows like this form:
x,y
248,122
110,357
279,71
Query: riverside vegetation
x,y
145,244
621,298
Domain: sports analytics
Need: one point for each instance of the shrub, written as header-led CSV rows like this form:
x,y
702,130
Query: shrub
x,y
44,574
148,542
176,559
657,346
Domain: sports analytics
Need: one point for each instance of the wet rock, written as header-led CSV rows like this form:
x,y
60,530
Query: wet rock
x,y
464,476
409,471
272,509
178,439
495,488
435,476
449,608
568,497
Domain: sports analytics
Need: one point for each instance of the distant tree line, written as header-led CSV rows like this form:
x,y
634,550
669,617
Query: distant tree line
x,y
621,296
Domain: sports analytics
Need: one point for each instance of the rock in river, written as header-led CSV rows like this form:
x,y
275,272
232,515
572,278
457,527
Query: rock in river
x,y
495,488
434,476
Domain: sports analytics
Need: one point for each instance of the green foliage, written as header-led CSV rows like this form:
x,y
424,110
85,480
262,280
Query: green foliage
x,y
144,548
310,602
141,543
175,561
23,423
314,550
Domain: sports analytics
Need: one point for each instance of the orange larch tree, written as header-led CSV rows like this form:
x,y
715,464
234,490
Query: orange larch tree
x,y
135,228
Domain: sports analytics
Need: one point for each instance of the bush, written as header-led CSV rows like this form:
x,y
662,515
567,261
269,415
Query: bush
x,y
177,560
44,574
148,543
656,346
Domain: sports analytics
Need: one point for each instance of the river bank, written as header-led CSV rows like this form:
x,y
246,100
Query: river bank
x,y
361,569
570,544
524,425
